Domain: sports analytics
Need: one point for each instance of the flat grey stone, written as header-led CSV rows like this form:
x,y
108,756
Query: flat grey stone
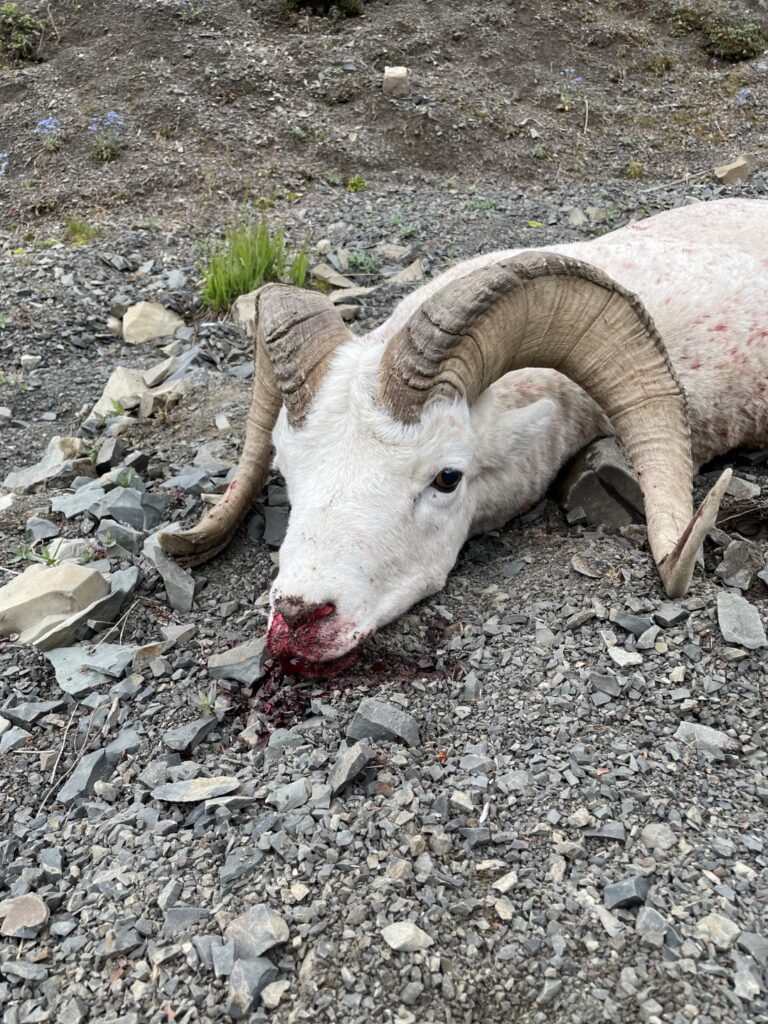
x,y
187,737
110,454
705,737
12,739
246,982
82,669
290,796
406,937
754,944
651,926
348,765
38,528
110,533
30,711
192,479
740,563
243,664
256,931
718,929
93,767
223,957
629,892
740,622
179,584
275,525
635,624
746,980
378,720
181,919
23,916
613,830
196,790
658,836
605,684
669,614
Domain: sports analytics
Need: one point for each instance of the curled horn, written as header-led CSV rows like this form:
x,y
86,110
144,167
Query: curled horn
x,y
544,309
295,333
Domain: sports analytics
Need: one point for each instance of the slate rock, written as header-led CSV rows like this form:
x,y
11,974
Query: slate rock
x,y
82,669
669,614
290,796
658,836
111,533
256,931
754,944
186,737
179,584
635,624
110,454
275,525
93,767
38,528
23,916
12,739
64,459
181,919
740,563
243,664
348,765
29,712
196,790
629,892
44,596
705,737
378,720
718,929
246,982
740,622
145,321
651,926
406,937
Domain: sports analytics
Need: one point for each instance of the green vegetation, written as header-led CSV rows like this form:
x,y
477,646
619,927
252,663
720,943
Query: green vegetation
x,y
335,8
249,256
481,205
634,169
726,36
20,34
357,183
24,552
78,232
363,262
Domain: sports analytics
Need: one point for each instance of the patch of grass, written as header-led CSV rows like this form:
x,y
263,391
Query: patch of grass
x,y
24,552
480,205
634,169
733,40
363,262
249,256
20,34
337,8
356,183
730,36
79,232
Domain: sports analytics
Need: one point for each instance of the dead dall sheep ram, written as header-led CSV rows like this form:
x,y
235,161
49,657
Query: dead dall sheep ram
x,y
397,445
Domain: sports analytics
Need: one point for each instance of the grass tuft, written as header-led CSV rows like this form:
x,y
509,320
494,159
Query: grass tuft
x,y
249,256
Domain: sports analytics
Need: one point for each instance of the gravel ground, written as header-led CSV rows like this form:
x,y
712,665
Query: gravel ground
x,y
541,797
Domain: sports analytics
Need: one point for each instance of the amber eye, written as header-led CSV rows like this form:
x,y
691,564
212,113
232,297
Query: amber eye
x,y
447,480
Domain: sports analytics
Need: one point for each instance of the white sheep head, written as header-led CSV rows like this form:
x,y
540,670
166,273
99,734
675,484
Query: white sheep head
x,y
382,449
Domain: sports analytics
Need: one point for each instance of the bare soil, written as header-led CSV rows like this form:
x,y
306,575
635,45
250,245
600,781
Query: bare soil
x,y
226,101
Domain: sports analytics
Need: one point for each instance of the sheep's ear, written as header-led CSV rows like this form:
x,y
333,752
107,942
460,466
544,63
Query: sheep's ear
x,y
509,430
521,425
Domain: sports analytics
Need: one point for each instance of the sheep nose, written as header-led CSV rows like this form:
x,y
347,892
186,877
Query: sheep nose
x,y
296,613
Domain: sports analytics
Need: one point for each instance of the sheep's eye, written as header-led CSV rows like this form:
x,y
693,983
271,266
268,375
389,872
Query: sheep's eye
x,y
447,480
